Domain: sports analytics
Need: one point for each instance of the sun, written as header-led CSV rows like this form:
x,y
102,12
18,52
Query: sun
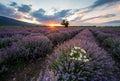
x,y
52,25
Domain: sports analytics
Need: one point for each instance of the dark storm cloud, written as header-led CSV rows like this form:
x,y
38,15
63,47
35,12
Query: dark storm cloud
x,y
9,12
103,16
40,15
24,8
14,4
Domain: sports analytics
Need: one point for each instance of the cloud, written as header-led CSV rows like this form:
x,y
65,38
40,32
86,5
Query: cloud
x,y
115,21
99,3
28,18
111,23
14,4
62,13
23,11
79,14
117,7
39,13
9,12
102,16
57,16
14,13
5,10
24,8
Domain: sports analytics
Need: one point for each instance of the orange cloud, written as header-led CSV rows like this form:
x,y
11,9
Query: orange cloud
x,y
117,7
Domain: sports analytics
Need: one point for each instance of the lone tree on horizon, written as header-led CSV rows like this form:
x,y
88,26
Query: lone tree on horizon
x,y
65,23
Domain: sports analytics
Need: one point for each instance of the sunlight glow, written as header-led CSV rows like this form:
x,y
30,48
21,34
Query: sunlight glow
x,y
53,24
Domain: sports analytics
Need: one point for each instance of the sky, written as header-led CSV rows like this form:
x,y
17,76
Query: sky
x,y
77,12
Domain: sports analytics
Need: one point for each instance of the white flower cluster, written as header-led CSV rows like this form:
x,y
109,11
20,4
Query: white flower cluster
x,y
78,53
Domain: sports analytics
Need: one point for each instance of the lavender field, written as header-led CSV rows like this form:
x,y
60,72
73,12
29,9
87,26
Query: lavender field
x,y
59,40
59,54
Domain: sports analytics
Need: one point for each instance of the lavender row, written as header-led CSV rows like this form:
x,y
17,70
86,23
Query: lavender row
x,y
32,38
9,36
26,31
80,59
111,31
30,48
110,42
62,36
8,41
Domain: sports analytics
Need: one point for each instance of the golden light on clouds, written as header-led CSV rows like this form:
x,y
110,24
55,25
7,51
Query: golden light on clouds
x,y
117,7
34,21
26,18
31,21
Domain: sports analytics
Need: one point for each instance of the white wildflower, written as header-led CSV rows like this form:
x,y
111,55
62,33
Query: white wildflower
x,y
77,48
71,54
83,51
84,57
86,60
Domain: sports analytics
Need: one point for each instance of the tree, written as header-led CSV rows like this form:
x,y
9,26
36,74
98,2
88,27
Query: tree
x,y
65,23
